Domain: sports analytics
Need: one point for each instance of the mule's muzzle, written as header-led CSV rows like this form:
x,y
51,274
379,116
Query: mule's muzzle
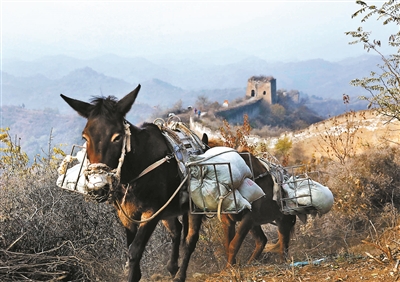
x,y
100,195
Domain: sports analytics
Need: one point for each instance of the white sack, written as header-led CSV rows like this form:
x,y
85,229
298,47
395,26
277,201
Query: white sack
x,y
239,168
250,190
206,190
322,197
206,195
71,177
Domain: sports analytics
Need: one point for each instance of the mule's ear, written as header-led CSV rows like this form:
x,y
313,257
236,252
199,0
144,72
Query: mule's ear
x,y
80,107
204,139
124,105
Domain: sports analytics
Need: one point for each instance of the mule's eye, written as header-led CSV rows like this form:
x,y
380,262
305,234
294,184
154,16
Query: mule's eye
x,y
116,137
84,137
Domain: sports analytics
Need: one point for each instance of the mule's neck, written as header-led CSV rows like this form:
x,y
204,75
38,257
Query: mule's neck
x,y
148,146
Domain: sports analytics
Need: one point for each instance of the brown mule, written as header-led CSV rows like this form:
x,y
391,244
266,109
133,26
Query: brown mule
x,y
264,210
133,167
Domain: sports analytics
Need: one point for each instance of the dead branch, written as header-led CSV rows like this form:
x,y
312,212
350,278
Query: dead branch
x,y
386,251
36,267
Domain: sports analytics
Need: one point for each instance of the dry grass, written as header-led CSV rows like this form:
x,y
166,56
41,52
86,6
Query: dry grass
x,y
374,131
49,234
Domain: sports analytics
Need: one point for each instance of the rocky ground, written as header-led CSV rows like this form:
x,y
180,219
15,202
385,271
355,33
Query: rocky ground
x,y
371,260
334,269
350,269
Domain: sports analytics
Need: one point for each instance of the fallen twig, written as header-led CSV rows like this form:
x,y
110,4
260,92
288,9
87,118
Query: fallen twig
x,y
374,258
15,241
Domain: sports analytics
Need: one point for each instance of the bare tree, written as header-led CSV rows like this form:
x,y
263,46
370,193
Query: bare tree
x,y
383,85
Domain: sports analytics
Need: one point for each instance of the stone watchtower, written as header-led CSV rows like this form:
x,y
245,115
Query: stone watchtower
x,y
262,87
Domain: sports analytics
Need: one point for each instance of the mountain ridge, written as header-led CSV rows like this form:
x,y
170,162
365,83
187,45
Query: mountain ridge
x,y
191,75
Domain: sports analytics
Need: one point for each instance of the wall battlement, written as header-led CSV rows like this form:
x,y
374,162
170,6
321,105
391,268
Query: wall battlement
x,y
262,87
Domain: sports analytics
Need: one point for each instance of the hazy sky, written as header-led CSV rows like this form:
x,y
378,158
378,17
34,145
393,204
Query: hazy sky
x,y
274,30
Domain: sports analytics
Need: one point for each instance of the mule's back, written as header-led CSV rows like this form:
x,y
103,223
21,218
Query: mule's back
x,y
265,209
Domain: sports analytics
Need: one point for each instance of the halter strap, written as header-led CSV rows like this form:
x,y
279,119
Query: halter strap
x,y
126,148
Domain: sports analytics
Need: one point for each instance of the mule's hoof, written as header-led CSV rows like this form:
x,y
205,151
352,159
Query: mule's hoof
x,y
179,278
230,264
172,269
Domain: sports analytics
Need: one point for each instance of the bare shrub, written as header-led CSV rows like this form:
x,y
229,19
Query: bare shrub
x,y
297,154
339,140
282,148
211,121
238,136
38,218
366,183
50,233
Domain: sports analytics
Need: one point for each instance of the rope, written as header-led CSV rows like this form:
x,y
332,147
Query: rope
x,y
221,199
172,134
126,148
210,157
156,213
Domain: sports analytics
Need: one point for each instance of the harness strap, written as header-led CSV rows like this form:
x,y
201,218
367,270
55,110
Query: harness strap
x,y
126,148
262,175
153,166
156,213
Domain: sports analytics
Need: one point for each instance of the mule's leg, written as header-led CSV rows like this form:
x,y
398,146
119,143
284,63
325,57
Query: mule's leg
x,y
285,229
174,228
194,222
185,223
261,241
137,247
130,234
228,226
243,229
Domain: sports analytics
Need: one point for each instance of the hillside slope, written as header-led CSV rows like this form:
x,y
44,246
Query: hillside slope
x,y
370,130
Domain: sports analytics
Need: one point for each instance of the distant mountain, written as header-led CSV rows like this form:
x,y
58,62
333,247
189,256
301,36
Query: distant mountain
x,y
33,128
32,106
52,67
38,92
166,81
313,77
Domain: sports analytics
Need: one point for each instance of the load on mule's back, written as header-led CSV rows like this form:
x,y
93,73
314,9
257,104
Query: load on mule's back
x,y
274,207
139,170
133,168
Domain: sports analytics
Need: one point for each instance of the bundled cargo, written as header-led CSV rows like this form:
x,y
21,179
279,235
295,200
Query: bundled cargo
x,y
72,178
216,179
306,196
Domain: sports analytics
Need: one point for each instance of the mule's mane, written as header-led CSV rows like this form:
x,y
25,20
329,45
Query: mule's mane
x,y
104,106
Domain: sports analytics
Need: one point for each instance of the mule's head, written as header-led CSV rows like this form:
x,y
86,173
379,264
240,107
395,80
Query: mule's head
x,y
104,134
